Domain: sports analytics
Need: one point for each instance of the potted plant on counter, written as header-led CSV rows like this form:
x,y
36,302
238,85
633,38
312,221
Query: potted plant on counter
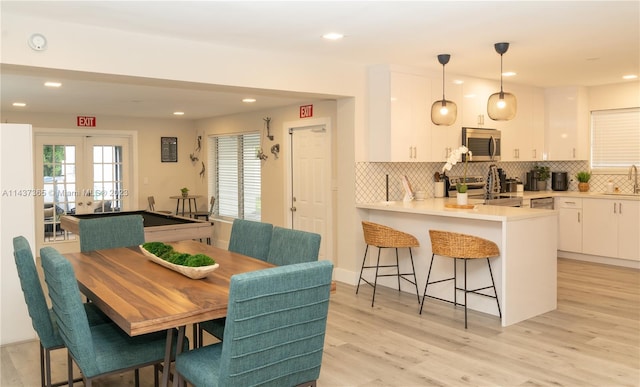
x,y
461,188
543,175
583,180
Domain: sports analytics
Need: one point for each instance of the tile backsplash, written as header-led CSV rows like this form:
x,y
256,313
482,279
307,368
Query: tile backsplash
x,y
371,177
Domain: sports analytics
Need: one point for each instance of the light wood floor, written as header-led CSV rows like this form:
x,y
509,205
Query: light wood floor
x,y
592,339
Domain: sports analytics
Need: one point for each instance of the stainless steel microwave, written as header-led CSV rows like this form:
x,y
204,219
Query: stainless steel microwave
x,y
484,144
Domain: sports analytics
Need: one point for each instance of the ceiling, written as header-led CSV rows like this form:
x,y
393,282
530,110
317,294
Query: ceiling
x,y
553,43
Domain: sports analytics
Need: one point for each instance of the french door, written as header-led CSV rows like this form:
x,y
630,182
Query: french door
x,y
78,175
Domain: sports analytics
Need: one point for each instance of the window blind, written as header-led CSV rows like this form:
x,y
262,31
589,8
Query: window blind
x,y
615,138
235,175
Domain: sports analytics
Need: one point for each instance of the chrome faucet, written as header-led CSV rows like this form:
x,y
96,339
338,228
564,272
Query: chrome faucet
x,y
633,170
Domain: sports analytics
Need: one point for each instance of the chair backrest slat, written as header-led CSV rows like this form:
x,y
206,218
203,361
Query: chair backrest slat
x,y
275,326
250,238
293,246
110,232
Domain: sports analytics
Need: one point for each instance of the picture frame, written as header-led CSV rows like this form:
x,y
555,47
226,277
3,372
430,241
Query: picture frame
x,y
169,149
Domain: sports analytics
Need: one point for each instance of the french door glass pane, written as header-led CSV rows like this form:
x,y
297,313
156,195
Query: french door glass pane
x,y
59,178
107,178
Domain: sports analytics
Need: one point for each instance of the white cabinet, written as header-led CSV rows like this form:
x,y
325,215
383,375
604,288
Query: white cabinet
x,y
611,228
566,132
569,224
399,122
472,109
523,137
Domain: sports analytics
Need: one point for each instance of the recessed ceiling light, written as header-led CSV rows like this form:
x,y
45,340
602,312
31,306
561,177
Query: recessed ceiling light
x,y
178,113
19,104
249,100
630,76
333,36
508,74
53,84
458,81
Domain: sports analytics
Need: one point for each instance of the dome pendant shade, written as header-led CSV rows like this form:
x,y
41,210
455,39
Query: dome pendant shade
x,y
502,106
443,112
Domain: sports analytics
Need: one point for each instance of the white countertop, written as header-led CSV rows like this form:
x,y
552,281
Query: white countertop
x,y
436,206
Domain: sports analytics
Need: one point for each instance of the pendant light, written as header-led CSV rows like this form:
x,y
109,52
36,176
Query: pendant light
x,y
502,106
443,112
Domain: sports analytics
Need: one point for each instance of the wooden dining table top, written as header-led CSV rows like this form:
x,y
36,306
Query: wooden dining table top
x,y
142,296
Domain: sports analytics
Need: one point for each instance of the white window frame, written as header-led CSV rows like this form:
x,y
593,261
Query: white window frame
x,y
237,187
615,140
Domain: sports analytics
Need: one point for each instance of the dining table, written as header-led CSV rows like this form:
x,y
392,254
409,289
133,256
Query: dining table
x,y
141,296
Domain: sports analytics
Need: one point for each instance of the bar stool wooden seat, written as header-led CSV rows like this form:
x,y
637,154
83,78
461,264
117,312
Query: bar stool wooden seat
x,y
386,237
461,246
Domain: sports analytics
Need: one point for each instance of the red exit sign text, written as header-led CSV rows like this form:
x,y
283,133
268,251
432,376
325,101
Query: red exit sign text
x,y
306,111
86,121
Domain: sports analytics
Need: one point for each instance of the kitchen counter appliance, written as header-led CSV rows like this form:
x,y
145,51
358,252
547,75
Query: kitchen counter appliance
x,y
545,203
559,181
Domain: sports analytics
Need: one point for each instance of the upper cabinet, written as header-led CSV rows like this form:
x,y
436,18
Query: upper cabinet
x,y
566,132
399,122
523,137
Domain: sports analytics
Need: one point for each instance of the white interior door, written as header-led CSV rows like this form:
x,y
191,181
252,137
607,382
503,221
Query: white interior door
x,y
310,201
78,175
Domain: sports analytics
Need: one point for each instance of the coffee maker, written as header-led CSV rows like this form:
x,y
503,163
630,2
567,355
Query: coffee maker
x,y
531,182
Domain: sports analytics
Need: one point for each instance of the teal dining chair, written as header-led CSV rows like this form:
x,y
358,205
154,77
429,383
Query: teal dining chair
x,y
287,247
293,246
110,232
42,318
276,324
250,238
98,350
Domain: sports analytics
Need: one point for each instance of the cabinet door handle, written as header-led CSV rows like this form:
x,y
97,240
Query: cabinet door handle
x,y
620,208
578,217
415,152
614,208
574,153
410,152
534,153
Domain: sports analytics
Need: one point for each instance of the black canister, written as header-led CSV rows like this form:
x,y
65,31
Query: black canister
x,y
559,181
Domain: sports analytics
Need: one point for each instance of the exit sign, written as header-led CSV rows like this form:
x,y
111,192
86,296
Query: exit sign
x,y
306,111
85,121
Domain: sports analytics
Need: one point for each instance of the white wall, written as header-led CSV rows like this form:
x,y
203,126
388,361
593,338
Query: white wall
x,y
616,96
16,218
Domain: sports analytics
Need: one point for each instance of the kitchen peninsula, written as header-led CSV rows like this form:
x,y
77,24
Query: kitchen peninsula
x,y
525,272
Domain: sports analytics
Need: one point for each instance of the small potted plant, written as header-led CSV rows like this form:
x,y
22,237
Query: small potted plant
x,y
185,191
543,175
583,180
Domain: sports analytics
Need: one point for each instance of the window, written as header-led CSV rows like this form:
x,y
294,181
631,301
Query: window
x,y
234,175
615,139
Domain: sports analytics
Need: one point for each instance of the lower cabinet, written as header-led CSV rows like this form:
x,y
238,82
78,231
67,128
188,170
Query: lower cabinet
x,y
569,224
611,228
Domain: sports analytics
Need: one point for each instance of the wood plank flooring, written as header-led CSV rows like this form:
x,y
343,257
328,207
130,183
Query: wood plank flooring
x,y
592,339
